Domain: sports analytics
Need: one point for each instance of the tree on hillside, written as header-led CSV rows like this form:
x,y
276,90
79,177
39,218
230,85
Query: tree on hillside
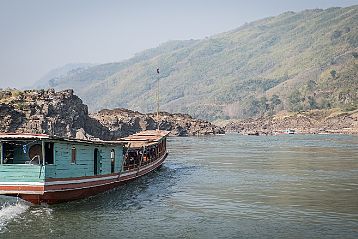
x,y
252,108
275,100
263,106
312,104
333,73
295,101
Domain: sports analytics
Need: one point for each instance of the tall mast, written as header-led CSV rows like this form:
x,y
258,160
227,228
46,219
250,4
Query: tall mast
x,y
158,99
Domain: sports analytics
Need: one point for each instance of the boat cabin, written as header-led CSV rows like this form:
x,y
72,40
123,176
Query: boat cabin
x,y
29,157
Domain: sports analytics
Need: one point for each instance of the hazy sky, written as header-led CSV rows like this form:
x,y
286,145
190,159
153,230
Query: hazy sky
x,y
40,35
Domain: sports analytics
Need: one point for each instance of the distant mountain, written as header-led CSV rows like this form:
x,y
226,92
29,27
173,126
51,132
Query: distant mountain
x,y
294,61
61,72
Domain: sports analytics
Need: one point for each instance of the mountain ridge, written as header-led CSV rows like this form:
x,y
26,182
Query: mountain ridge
x,y
291,61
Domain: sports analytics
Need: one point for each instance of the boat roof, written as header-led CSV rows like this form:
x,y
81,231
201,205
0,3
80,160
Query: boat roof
x,y
148,137
28,136
23,136
144,138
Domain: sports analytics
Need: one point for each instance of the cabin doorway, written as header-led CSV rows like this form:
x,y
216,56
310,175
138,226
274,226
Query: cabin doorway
x,y
113,160
95,161
49,157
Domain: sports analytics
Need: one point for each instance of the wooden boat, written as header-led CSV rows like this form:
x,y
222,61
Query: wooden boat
x,y
289,131
45,169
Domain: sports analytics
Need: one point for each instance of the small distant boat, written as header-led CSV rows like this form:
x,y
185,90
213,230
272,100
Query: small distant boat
x,y
45,169
289,131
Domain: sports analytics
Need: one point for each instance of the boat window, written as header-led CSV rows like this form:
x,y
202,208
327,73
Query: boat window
x,y
73,158
29,152
49,158
21,152
112,160
8,153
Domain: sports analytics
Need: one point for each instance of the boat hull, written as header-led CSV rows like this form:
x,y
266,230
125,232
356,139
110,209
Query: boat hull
x,y
58,191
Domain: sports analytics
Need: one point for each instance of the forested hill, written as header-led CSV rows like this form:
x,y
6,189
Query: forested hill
x,y
294,61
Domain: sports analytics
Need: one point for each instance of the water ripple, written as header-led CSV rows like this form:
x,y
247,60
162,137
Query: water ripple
x,y
218,187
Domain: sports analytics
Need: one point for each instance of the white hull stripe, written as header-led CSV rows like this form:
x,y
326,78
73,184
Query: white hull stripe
x,y
22,192
71,189
62,182
87,180
22,184
128,174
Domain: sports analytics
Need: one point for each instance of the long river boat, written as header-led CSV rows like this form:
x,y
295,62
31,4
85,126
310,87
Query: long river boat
x,y
46,169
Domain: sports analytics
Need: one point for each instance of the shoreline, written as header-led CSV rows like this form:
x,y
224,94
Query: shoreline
x,y
296,133
333,121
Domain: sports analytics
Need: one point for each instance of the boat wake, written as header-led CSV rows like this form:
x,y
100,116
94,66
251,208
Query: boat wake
x,y
10,210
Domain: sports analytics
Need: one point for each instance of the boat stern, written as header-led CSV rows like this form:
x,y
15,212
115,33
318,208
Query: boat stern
x,y
22,171
21,179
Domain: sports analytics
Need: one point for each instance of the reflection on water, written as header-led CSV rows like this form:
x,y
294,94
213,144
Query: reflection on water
x,y
217,187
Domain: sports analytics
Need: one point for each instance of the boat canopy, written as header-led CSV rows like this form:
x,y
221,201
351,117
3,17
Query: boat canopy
x,y
145,138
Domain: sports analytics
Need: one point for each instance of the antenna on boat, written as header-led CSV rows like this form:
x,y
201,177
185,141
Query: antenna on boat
x,y
158,99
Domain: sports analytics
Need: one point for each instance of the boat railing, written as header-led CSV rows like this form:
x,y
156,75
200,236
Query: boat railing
x,y
145,159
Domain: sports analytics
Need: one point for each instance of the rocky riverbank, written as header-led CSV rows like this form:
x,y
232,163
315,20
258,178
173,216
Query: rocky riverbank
x,y
64,114
312,122
123,122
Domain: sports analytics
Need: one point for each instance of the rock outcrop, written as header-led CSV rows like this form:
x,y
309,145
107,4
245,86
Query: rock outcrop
x,y
63,114
45,111
311,122
123,122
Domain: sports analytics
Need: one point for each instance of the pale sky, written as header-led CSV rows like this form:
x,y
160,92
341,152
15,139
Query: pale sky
x,y
40,35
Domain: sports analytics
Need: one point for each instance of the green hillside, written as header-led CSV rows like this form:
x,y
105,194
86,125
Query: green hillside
x,y
294,61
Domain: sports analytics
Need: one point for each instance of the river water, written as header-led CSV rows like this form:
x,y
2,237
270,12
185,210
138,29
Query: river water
x,y
232,186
